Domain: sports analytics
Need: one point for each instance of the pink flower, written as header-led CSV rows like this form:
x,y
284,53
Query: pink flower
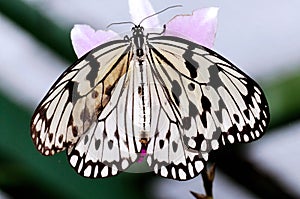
x,y
199,27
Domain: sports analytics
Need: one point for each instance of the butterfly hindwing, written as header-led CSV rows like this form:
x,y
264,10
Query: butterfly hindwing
x,y
168,154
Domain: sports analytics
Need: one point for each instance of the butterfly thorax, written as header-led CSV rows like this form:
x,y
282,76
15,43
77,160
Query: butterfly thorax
x,y
138,39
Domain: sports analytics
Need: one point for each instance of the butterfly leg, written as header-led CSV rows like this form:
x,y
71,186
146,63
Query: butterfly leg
x,y
126,38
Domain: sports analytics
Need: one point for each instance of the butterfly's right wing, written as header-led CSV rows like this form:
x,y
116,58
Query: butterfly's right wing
x,y
206,102
67,117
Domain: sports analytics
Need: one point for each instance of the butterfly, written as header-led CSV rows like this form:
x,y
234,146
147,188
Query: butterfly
x,y
159,99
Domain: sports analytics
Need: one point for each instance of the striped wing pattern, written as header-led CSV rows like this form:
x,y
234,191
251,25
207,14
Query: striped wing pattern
x,y
177,101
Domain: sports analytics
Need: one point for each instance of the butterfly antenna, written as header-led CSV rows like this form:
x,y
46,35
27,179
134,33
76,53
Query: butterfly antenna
x,y
118,23
157,13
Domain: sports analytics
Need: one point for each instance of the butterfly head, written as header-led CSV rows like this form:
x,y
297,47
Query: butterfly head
x,y
137,30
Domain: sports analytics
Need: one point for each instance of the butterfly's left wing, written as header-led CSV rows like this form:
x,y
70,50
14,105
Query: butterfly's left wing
x,y
215,104
69,116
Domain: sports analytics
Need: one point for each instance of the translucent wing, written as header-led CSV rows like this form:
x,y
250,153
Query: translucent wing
x,y
68,116
206,102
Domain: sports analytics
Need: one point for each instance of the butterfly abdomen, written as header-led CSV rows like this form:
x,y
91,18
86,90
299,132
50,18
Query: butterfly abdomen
x,y
141,101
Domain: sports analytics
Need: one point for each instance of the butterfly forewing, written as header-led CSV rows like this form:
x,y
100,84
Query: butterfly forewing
x,y
215,97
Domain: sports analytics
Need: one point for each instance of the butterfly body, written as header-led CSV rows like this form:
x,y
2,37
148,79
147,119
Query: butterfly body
x,y
162,98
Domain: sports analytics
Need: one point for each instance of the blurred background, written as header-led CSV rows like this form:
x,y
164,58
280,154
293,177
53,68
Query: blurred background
x,y
261,37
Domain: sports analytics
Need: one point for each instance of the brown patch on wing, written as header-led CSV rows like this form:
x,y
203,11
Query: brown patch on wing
x,y
113,78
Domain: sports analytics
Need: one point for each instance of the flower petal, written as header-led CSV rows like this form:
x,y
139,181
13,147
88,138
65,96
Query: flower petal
x,y
85,38
200,27
139,9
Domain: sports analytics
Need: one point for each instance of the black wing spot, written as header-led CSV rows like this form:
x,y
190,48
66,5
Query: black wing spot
x,y
60,139
174,146
206,105
86,139
247,114
190,63
191,86
193,110
198,139
94,65
50,137
236,117
203,119
168,135
176,91
75,131
110,144
186,123
97,144
161,144
192,69
214,80
185,140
